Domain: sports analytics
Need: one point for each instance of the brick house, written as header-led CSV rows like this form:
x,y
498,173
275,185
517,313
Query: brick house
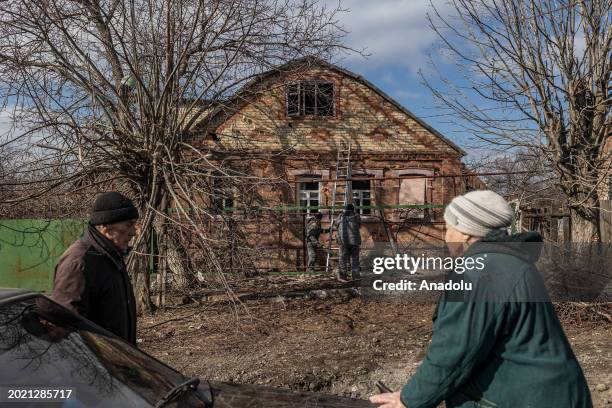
x,y
301,114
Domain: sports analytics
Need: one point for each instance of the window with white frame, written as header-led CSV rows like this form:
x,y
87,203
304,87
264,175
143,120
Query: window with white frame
x,y
309,195
362,196
223,204
223,195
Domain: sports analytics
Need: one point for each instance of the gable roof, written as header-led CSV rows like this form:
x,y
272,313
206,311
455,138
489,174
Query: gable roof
x,y
241,97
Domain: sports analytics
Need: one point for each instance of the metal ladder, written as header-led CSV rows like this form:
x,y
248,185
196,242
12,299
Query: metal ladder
x,y
341,192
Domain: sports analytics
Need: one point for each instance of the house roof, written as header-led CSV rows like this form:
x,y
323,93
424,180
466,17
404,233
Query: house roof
x,y
241,97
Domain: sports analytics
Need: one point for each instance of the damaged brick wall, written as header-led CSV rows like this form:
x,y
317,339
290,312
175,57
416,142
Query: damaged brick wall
x,y
386,143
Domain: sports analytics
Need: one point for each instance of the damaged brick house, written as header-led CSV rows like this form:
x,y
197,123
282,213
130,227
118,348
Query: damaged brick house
x,y
296,118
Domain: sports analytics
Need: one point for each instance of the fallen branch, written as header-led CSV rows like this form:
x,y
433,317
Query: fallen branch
x,y
173,320
592,307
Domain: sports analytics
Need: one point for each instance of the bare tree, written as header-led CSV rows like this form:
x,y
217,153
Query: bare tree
x,y
536,76
106,93
520,176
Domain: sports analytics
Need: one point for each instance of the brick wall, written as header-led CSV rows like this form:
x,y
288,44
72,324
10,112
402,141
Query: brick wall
x,y
363,116
385,142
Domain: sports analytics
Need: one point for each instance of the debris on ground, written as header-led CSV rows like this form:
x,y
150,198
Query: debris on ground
x,y
334,343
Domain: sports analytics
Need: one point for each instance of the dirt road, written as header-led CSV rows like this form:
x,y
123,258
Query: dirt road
x,y
336,344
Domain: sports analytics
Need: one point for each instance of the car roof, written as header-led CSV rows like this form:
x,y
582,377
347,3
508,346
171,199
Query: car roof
x,y
10,293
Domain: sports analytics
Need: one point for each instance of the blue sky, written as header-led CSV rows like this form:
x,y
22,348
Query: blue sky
x,y
397,36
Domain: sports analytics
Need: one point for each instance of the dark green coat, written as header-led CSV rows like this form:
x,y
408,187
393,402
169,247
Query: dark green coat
x,y
508,351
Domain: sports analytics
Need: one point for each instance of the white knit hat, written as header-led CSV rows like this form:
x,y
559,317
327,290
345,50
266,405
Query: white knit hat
x,y
478,212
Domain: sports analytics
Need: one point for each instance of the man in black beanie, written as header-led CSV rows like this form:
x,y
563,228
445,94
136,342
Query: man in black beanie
x,y
91,278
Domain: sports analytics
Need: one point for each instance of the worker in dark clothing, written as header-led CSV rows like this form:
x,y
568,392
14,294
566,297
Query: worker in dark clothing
x,y
313,232
349,240
91,278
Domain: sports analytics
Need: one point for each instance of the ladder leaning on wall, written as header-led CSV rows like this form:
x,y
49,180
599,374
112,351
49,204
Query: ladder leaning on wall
x,y
341,193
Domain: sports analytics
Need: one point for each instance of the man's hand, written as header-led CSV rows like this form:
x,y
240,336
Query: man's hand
x,y
387,400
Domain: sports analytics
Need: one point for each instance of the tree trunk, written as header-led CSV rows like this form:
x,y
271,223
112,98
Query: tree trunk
x,y
162,273
175,257
145,252
142,284
584,230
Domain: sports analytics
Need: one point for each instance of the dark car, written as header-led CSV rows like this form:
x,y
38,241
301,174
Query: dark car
x,y
52,357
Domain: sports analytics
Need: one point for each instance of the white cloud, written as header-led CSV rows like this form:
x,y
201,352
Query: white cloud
x,y
579,46
9,126
406,94
394,32
6,122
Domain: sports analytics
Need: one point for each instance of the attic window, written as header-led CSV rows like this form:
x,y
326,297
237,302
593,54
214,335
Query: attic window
x,y
310,98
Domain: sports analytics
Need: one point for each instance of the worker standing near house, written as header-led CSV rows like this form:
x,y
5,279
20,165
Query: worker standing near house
x,y
313,245
349,240
500,344
91,277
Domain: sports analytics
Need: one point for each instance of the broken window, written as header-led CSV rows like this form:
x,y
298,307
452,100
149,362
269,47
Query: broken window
x,y
309,94
308,195
362,196
223,196
223,204
293,100
310,98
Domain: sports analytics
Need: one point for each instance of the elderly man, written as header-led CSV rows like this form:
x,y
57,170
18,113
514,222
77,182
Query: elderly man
x,y
91,278
502,344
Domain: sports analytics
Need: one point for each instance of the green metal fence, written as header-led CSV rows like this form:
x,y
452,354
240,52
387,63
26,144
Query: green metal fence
x,y
30,248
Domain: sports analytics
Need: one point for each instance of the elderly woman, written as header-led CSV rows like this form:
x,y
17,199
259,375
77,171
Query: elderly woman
x,y
502,344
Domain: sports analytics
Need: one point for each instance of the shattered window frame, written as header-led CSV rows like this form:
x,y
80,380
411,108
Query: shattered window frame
x,y
310,98
293,99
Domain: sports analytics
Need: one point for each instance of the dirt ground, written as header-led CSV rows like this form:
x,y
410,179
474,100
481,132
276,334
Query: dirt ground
x,y
334,342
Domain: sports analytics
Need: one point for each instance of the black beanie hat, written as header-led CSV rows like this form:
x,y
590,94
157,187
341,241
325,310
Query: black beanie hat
x,y
112,207
349,208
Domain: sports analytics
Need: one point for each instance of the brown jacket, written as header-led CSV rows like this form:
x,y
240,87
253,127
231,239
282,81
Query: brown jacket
x,y
91,280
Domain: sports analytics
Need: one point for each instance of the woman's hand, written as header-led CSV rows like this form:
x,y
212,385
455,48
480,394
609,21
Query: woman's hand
x,y
388,400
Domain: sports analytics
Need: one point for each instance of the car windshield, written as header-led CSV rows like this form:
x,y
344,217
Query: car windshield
x,y
44,345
